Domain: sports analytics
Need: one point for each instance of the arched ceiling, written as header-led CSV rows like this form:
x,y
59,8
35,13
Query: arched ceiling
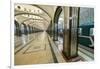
x,y
48,9
40,15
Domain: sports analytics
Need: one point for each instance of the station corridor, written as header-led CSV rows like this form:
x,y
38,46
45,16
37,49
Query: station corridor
x,y
46,34
39,48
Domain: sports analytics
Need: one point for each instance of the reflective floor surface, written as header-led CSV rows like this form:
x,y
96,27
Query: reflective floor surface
x,y
37,51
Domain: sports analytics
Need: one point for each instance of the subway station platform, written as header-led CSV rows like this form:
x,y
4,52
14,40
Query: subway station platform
x,y
41,49
38,51
46,34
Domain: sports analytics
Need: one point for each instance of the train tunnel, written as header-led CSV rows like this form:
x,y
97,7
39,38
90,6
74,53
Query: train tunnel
x,y
52,34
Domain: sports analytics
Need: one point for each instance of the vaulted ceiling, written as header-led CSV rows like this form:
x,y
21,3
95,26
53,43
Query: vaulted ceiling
x,y
38,16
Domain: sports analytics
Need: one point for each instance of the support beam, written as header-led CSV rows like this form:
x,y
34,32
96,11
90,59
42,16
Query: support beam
x,y
70,46
66,44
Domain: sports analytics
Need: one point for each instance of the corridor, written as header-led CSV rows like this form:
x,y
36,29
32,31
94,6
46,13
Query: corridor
x,y
39,48
46,34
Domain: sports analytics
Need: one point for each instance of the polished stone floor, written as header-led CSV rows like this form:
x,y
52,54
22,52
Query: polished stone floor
x,y
37,50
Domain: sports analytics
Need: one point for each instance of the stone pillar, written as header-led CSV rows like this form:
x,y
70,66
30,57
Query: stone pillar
x,y
70,46
66,46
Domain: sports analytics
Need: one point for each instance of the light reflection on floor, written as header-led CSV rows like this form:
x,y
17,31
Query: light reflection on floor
x,y
36,52
59,43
